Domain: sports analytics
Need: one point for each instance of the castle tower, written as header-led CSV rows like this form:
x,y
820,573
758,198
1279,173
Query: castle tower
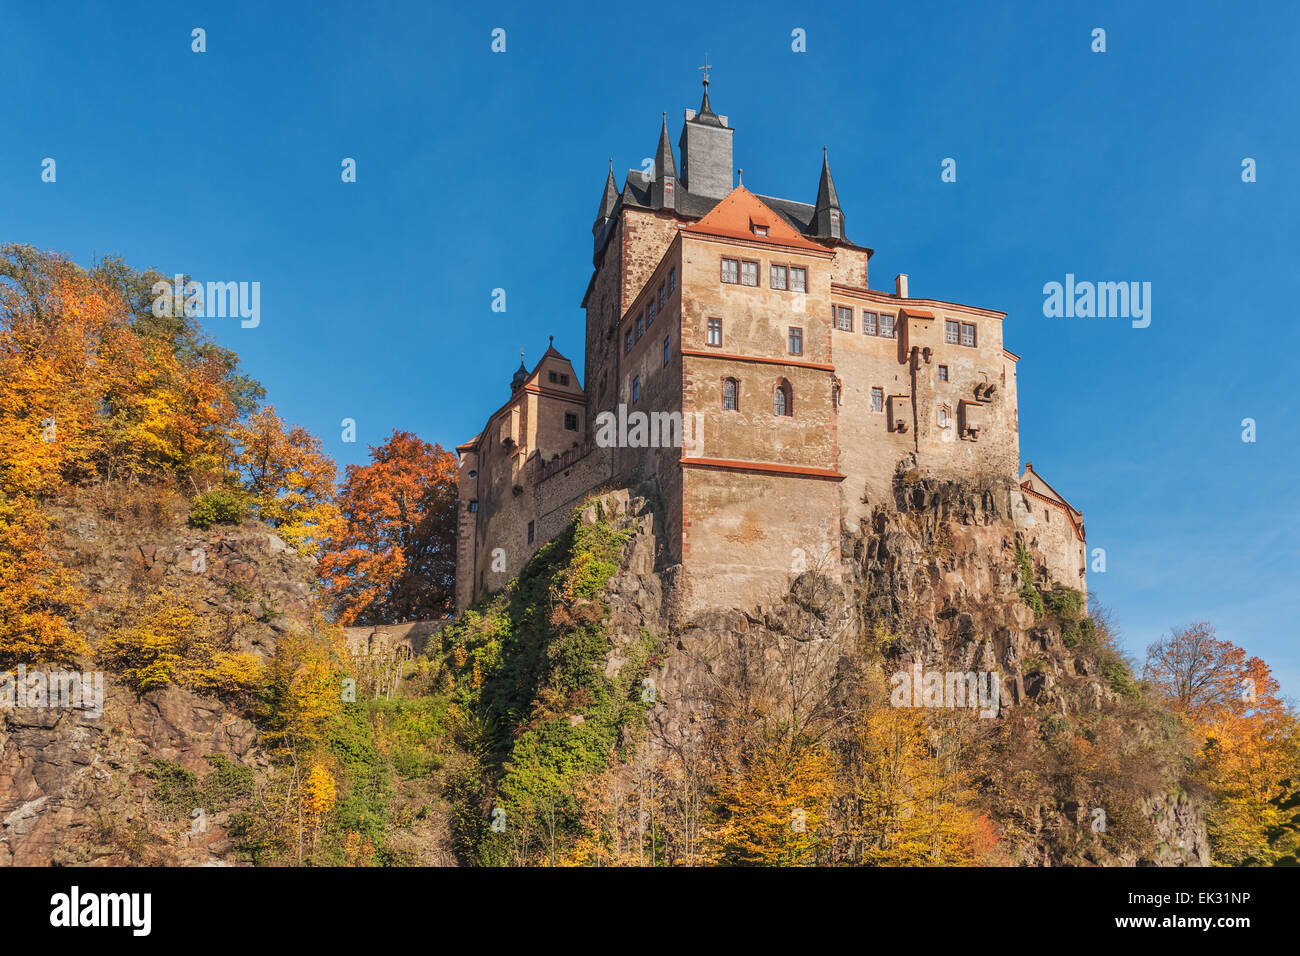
x,y
706,150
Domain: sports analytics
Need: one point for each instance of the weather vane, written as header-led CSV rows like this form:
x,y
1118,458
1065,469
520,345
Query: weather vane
x,y
706,67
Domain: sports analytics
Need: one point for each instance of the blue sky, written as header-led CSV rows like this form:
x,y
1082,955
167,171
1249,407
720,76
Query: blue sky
x,y
479,170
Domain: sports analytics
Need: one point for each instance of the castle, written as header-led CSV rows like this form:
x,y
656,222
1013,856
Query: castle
x,y
777,392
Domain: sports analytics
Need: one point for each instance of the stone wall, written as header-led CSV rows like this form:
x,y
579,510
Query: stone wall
x,y
383,640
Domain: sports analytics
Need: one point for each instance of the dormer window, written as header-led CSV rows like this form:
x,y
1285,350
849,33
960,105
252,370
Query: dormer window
x,y
758,228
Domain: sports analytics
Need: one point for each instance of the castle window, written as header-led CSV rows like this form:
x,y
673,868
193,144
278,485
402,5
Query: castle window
x,y
571,421
944,416
564,378
748,272
968,334
640,326
950,332
730,271
663,297
672,279
627,342
650,313
796,341
844,318
835,395
798,279
553,376
730,394
943,373
868,323
715,332
783,400
636,389
668,351
778,277
473,505
886,326
532,532
877,399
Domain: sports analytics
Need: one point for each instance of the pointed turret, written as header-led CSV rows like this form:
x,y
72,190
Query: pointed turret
x,y
828,218
605,214
520,377
609,198
663,194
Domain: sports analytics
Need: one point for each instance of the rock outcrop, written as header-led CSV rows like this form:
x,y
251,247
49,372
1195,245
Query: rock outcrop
x,y
75,787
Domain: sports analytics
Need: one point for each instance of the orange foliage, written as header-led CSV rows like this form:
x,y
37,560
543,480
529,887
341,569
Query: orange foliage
x,y
395,558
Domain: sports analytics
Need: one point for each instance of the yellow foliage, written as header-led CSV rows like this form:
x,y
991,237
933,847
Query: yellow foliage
x,y
36,594
320,791
170,643
304,687
290,479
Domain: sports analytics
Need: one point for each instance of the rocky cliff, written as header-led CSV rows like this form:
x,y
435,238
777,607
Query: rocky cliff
x,y
79,788
1078,767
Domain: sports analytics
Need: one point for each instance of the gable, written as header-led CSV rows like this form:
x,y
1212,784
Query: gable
x,y
736,216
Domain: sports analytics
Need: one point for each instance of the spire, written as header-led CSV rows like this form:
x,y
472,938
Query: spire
x,y
828,218
663,192
664,165
705,108
608,199
521,375
605,214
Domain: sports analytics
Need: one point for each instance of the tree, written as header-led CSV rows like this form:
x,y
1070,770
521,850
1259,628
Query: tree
x,y
1196,672
395,558
1250,741
36,594
290,479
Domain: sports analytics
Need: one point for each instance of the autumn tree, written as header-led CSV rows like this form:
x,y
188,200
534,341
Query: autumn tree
x,y
395,557
289,478
37,595
1251,741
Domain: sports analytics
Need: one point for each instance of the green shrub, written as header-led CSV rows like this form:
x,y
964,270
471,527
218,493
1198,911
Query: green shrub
x,y
218,506
1028,593
1119,678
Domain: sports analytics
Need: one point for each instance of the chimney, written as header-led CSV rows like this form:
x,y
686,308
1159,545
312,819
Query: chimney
x,y
900,285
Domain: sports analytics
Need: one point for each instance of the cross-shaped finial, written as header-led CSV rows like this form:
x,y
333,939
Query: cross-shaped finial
x,y
706,67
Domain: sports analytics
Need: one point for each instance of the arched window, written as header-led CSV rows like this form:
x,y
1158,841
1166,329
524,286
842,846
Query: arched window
x,y
945,416
730,394
782,399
